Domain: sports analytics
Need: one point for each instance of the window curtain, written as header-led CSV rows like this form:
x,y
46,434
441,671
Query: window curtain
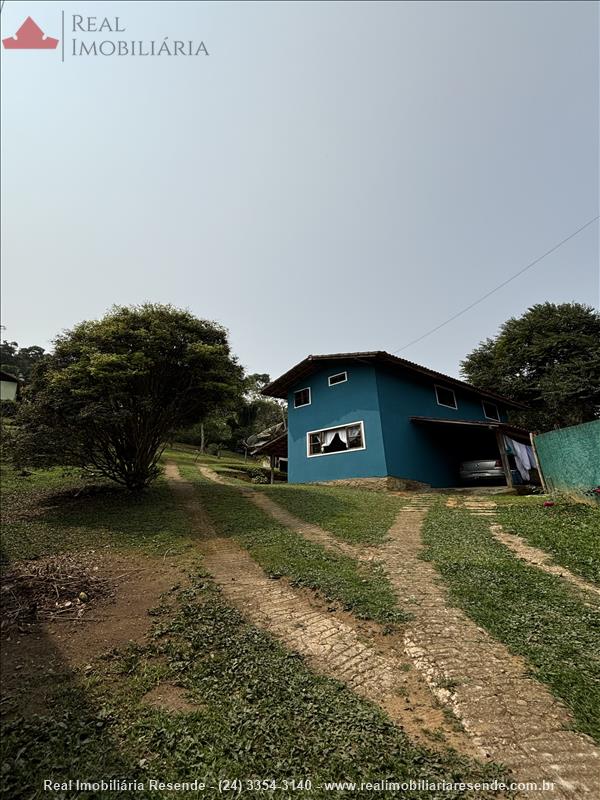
x,y
330,436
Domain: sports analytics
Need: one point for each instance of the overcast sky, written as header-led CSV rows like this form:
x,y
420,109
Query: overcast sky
x,y
332,177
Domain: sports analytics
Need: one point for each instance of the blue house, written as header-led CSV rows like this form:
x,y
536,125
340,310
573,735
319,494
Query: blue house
x,y
373,415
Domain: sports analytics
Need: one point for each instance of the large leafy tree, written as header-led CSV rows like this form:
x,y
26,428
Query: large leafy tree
x,y
109,396
549,358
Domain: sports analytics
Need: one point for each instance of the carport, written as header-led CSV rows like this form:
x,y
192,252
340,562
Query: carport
x,y
463,440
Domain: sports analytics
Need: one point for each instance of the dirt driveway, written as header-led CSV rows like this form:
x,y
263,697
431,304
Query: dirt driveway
x,y
507,715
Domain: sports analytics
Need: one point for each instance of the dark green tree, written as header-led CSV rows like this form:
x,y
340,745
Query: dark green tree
x,y
19,361
113,391
256,413
233,423
549,358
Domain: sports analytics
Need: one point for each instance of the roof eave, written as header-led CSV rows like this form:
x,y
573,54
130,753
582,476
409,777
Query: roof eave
x,y
271,444
505,427
280,386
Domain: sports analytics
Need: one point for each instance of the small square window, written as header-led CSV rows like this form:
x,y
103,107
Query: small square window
x,y
341,377
301,398
445,397
490,411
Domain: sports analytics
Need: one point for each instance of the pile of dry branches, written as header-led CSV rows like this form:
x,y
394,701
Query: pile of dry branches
x,y
55,587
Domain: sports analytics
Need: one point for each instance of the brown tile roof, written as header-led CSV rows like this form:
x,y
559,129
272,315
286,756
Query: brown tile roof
x,y
280,386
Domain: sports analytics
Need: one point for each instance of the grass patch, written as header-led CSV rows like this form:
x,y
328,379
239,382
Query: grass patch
x,y
533,613
43,515
570,532
259,713
362,589
354,515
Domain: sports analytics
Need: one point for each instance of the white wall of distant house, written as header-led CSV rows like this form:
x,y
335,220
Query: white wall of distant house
x,y
8,390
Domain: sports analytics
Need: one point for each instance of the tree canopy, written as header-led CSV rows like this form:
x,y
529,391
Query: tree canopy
x,y
549,358
19,361
256,412
232,426
113,390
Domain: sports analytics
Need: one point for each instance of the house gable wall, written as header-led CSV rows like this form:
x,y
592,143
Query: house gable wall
x,y
351,401
384,400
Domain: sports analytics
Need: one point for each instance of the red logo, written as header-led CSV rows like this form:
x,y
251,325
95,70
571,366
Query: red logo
x,y
30,37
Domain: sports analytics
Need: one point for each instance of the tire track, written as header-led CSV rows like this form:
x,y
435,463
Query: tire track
x,y
512,716
374,666
308,530
525,551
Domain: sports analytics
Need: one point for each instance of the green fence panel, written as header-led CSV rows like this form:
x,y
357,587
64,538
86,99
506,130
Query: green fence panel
x,y
570,458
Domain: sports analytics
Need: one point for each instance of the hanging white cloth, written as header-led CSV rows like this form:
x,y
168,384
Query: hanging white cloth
x,y
524,457
330,436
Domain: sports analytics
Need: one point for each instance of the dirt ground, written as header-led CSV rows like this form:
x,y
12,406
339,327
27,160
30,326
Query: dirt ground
x,y
35,656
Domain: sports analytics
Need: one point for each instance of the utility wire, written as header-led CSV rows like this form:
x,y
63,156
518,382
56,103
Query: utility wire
x,y
500,285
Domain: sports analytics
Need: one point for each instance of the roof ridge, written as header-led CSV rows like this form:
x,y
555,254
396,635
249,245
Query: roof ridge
x,y
276,387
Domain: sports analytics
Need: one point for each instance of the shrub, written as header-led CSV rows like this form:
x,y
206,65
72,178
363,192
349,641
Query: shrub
x,y
259,476
8,408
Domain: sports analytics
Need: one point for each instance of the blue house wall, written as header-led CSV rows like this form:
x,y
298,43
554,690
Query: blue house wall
x,y
341,404
384,400
423,452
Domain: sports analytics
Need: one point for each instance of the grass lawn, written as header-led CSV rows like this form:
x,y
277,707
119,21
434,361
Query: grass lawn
x,y
43,515
232,466
535,614
569,532
248,709
354,515
254,711
362,589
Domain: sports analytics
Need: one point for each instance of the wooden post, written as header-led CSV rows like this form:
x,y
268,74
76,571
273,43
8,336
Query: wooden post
x,y
272,463
537,461
504,458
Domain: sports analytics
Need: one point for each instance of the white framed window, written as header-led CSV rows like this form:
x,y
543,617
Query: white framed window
x,y
340,439
340,377
445,397
302,397
490,410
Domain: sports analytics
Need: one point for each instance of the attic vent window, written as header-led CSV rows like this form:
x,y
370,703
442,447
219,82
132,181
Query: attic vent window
x,y
490,411
302,398
445,397
341,377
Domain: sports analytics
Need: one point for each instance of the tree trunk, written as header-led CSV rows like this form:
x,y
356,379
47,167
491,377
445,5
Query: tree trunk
x,y
202,437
